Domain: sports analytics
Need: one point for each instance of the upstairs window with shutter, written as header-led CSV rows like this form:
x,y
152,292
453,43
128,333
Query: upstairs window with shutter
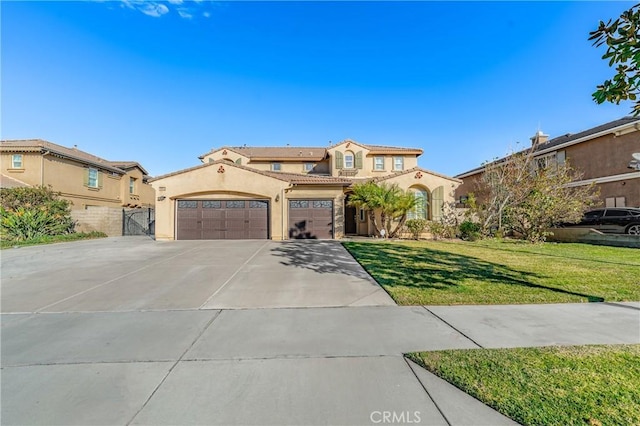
x,y
348,160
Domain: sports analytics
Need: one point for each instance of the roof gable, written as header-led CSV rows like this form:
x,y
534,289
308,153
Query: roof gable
x,y
50,148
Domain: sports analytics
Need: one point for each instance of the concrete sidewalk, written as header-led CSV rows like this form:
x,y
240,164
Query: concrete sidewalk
x,y
271,366
125,331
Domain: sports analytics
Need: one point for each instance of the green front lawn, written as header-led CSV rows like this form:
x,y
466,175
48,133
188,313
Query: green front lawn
x,y
500,272
577,385
53,239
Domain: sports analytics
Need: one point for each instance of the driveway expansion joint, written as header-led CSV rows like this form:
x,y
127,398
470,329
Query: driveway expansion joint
x,y
467,337
215,316
426,391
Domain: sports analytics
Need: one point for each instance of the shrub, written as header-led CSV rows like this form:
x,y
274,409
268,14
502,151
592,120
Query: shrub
x,y
27,213
416,227
440,229
469,231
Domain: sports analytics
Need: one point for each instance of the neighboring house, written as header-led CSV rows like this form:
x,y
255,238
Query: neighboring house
x,y
287,192
602,154
88,181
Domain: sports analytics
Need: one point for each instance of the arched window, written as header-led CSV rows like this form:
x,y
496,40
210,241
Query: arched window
x,y
421,209
348,160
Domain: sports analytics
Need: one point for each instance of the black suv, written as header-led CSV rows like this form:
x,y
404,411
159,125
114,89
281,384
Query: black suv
x,y
614,220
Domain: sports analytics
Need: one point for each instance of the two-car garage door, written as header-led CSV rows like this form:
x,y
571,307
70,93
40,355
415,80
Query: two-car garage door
x,y
249,219
222,219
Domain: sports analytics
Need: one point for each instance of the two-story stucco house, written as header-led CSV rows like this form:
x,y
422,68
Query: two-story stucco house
x,y
602,154
88,181
287,192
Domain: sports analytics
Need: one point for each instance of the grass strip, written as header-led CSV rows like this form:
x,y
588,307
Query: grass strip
x,y
500,272
4,244
572,385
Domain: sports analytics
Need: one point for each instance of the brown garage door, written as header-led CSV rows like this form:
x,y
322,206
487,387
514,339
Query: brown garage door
x,y
311,219
222,219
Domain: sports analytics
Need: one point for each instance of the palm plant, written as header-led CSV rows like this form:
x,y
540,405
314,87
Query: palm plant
x,y
404,203
367,196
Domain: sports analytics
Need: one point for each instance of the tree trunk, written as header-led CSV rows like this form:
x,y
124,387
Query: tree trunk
x,y
399,226
372,219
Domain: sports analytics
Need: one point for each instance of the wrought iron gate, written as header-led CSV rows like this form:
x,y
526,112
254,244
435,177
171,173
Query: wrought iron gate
x,y
138,221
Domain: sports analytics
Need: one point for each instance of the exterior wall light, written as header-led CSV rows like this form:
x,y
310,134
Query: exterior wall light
x,y
161,198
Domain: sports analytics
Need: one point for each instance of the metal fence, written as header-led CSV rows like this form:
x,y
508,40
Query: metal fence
x,y
138,221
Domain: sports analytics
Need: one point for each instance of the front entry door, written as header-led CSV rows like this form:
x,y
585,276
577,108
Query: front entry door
x,y
350,226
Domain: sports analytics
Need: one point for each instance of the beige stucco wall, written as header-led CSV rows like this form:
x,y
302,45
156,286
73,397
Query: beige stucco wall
x,y
368,160
67,177
143,196
223,154
31,171
292,167
236,183
222,181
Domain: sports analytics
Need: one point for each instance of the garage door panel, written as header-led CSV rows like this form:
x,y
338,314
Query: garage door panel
x,y
311,219
222,219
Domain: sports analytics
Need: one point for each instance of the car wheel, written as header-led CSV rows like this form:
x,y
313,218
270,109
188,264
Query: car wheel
x,y
634,229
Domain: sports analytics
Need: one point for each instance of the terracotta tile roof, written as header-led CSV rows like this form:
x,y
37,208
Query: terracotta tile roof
x,y
214,163
414,170
42,146
276,153
305,179
293,178
9,182
379,149
125,165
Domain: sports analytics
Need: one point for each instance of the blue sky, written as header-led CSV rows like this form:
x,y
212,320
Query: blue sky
x,y
163,82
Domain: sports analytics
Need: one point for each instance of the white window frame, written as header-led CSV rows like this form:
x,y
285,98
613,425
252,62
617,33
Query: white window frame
x,y
276,167
349,160
132,185
395,163
308,167
16,161
378,166
94,178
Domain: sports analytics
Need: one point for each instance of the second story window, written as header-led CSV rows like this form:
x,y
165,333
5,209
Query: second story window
x,y
398,163
276,167
378,163
132,185
92,181
348,160
308,167
16,161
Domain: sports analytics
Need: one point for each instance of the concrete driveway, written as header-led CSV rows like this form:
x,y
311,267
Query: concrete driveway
x,y
132,331
125,274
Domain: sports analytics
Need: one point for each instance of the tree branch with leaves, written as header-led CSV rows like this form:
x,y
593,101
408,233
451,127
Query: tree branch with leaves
x,y
622,38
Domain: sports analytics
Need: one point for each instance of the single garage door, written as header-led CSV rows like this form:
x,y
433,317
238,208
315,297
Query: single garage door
x,y
311,219
222,219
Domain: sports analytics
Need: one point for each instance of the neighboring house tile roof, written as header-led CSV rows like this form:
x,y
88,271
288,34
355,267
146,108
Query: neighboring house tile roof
x,y
41,146
413,170
126,165
9,182
568,138
292,178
